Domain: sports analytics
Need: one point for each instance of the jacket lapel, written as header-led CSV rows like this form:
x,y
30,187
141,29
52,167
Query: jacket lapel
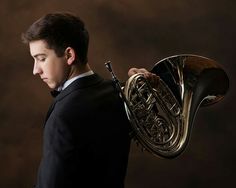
x,y
49,111
77,84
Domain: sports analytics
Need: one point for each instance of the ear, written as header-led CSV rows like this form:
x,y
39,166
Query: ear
x,y
70,55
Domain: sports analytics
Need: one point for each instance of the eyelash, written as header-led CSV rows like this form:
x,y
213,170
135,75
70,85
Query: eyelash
x,y
42,60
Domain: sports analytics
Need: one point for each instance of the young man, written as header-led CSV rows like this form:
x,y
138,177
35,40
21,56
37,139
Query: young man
x,y
86,133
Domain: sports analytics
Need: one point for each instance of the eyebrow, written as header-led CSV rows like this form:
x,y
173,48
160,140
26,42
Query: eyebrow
x,y
35,56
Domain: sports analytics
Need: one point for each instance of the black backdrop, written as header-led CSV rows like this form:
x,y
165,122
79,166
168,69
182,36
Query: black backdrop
x,y
129,33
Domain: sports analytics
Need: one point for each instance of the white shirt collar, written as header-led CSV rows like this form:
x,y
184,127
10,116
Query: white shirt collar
x,y
68,82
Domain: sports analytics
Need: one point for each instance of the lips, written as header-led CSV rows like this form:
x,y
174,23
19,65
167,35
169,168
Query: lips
x,y
44,79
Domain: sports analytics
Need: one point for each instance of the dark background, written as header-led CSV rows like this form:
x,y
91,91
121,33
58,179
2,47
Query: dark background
x,y
130,33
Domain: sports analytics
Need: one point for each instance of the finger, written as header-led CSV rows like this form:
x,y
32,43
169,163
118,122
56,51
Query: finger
x,y
132,71
152,78
143,70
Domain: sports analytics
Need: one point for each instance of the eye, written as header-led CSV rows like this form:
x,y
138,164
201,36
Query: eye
x,y
41,59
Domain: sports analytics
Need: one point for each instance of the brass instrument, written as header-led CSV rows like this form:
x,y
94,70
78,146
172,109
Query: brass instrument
x,y
162,116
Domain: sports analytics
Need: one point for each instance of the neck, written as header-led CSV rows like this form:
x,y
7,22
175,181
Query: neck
x,y
77,70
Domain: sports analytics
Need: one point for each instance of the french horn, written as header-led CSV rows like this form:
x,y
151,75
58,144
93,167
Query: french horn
x,y
162,116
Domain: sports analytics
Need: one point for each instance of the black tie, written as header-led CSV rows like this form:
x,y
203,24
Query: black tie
x,y
54,93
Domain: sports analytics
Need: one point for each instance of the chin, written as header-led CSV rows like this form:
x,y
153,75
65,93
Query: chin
x,y
52,86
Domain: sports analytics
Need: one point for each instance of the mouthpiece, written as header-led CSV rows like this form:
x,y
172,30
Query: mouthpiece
x,y
108,66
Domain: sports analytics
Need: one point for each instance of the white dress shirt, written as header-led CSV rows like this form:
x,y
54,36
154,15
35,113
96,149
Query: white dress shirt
x,y
68,82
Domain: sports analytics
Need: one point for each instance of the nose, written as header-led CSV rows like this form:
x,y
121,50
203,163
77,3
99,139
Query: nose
x,y
37,69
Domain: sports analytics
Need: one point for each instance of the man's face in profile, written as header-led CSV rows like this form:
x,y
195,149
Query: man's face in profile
x,y
51,68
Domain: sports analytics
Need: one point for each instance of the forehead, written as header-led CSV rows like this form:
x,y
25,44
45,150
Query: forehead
x,y
39,47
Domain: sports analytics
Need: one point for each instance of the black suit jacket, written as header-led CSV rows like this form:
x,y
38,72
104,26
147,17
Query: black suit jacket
x,y
86,137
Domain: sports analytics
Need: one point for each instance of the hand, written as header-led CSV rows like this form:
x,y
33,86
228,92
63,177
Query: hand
x,y
151,77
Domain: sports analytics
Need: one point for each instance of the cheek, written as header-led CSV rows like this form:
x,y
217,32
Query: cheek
x,y
58,71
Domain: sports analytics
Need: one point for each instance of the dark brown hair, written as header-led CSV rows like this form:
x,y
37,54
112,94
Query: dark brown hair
x,y
60,30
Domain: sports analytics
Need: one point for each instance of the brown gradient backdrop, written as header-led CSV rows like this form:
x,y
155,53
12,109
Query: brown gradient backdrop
x,y
130,33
